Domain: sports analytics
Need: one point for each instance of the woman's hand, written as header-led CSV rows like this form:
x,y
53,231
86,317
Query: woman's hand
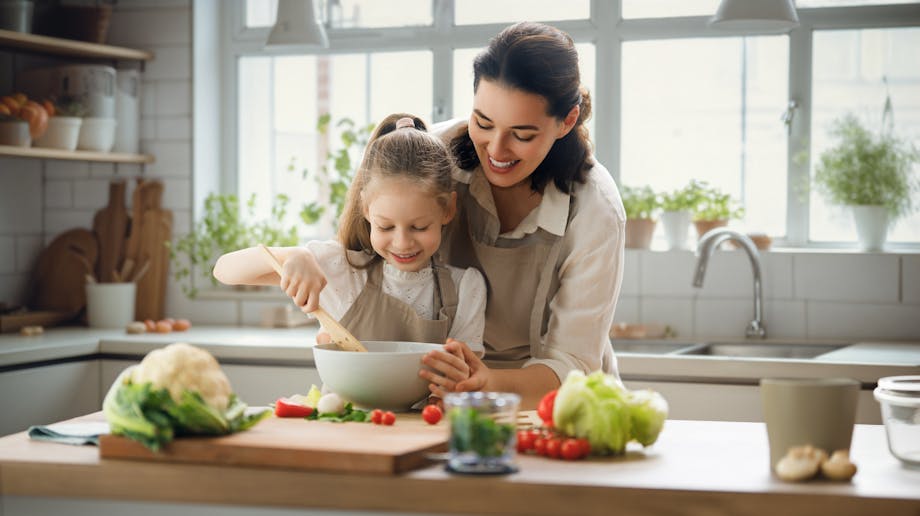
x,y
456,368
302,279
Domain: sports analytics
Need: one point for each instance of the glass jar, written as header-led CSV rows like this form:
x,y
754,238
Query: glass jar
x,y
899,397
483,428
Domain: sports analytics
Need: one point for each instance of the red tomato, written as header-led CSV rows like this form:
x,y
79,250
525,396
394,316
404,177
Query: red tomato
x,y
554,448
545,408
285,407
431,414
525,440
571,449
585,446
376,416
539,445
388,418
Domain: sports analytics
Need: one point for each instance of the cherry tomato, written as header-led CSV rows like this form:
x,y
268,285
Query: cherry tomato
x,y
554,448
431,414
286,407
539,445
571,449
545,408
525,440
388,418
585,446
376,416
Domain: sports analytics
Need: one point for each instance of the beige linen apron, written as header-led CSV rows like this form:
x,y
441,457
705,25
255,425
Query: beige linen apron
x,y
376,315
518,280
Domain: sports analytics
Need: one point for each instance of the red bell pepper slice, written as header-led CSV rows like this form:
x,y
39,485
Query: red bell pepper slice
x,y
286,407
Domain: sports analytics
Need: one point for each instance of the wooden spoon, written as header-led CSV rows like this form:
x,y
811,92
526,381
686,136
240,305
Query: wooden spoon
x,y
340,335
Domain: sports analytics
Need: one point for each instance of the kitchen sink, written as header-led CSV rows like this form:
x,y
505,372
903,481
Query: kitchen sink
x,y
762,350
650,347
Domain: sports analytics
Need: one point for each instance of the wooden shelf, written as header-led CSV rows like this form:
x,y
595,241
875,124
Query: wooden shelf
x,y
68,47
78,155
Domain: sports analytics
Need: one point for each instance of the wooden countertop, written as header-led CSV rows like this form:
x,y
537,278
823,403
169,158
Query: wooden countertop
x,y
696,467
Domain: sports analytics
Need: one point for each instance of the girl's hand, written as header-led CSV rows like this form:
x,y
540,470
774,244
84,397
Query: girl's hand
x,y
455,369
302,279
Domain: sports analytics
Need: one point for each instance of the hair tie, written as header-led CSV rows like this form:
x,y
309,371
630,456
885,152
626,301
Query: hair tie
x,y
405,122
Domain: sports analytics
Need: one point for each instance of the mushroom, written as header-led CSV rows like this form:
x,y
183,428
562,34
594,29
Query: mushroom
x,y
839,467
800,463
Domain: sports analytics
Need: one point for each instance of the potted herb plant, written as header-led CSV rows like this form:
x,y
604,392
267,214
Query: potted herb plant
x,y
873,173
640,203
715,209
677,209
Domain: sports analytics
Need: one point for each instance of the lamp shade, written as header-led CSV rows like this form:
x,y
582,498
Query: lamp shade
x,y
755,15
297,26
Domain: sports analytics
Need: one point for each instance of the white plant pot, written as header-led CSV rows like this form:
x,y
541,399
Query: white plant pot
x,y
62,133
676,228
871,226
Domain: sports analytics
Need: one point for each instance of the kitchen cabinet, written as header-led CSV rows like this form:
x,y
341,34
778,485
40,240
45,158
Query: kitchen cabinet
x,y
46,394
18,42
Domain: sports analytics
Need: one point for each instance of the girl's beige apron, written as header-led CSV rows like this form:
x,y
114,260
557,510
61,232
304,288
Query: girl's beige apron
x,y
518,280
376,315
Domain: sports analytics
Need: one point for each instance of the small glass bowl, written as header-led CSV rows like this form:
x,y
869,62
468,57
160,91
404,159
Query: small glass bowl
x,y
483,432
899,397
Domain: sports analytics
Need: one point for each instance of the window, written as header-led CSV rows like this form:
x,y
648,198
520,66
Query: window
x,y
673,99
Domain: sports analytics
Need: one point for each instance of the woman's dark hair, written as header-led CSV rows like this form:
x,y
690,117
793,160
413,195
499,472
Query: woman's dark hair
x,y
539,59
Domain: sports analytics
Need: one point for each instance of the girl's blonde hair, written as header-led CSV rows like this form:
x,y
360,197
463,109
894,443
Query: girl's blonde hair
x,y
405,152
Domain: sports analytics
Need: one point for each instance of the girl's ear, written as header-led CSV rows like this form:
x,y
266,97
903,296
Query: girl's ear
x,y
569,122
450,210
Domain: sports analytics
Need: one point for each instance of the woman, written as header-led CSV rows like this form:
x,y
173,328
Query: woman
x,y
538,216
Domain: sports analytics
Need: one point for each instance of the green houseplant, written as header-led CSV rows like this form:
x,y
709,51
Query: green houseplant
x,y
641,205
225,228
677,209
871,172
714,209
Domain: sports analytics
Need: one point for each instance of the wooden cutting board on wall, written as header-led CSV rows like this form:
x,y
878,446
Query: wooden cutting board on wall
x,y
295,443
151,228
59,278
110,225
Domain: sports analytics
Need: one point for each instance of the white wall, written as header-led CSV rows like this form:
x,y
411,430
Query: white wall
x,y
824,294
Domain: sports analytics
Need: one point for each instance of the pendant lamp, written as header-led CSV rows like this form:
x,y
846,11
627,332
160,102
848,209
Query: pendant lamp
x,y
755,15
297,26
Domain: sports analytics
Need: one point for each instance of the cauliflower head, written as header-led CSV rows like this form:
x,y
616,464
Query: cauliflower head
x,y
179,367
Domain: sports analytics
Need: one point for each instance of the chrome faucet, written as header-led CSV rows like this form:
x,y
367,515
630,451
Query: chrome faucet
x,y
711,240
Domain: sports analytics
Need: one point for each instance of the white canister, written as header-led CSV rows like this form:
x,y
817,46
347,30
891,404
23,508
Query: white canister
x,y
110,305
97,134
127,110
62,133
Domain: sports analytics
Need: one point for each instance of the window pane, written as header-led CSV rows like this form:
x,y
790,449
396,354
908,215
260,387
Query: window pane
x,y
467,12
668,8
463,77
709,109
377,13
842,3
849,68
261,13
281,99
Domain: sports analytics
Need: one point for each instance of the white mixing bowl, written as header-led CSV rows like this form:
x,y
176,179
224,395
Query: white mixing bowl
x,y
386,377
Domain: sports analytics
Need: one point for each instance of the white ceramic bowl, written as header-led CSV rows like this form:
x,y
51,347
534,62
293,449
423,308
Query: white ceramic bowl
x,y
62,133
386,377
97,134
899,397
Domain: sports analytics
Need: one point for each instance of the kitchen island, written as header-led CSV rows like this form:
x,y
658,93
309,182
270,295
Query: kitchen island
x,y
696,467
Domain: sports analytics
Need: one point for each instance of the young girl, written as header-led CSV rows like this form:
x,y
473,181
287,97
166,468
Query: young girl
x,y
382,279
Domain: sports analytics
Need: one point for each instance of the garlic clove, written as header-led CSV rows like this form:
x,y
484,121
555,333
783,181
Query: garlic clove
x,y
839,467
800,463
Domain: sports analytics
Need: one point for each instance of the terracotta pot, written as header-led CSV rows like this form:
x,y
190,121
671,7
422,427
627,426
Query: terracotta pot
x,y
703,226
639,233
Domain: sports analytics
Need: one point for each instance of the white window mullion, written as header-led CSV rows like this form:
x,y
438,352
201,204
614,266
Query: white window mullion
x,y
605,16
797,212
442,62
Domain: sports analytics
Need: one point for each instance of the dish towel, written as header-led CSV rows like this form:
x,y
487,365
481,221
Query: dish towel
x,y
70,433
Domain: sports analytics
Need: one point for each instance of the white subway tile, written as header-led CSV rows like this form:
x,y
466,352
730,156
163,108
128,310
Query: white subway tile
x,y
101,170
177,194
170,63
252,312
173,159
174,128
627,310
58,221
20,197
150,28
863,278
148,100
785,319
174,98
13,288
631,268
676,313
668,273
777,275
148,130
181,223
722,317
910,279
66,169
28,248
58,194
199,311
91,194
7,255
863,320
730,274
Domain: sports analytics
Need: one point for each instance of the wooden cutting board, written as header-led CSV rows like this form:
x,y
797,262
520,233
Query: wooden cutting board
x,y
59,278
152,228
110,225
295,443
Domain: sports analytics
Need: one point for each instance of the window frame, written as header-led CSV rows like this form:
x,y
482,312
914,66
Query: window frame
x,y
607,31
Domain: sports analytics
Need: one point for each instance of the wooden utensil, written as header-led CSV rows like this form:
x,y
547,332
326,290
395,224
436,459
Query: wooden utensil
x,y
340,335
110,225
